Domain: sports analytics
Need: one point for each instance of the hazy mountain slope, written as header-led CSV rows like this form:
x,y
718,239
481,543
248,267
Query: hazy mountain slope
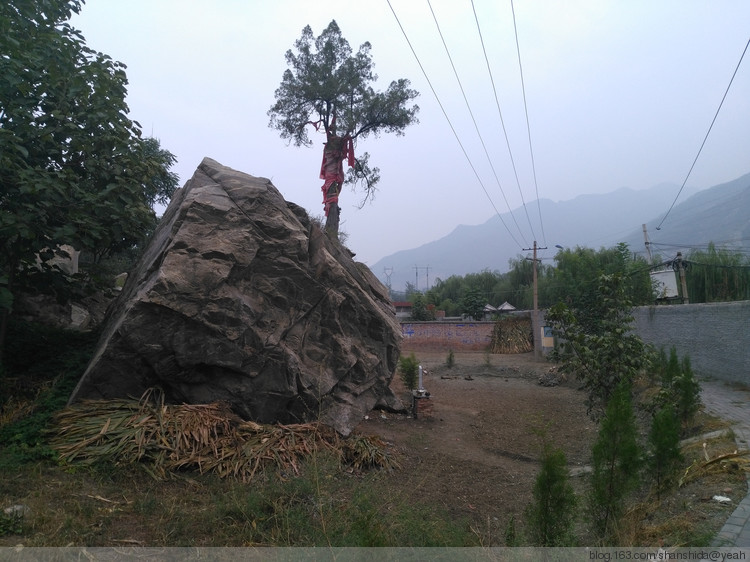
x,y
719,213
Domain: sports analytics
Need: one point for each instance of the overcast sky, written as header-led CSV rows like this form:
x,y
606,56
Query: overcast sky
x,y
619,93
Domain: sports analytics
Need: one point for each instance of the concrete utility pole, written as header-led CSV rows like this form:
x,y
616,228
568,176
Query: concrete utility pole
x,y
648,244
534,319
683,283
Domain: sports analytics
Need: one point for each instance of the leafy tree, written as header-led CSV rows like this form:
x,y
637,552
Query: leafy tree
x,y
419,308
616,459
603,352
574,279
717,275
550,516
73,167
473,304
329,88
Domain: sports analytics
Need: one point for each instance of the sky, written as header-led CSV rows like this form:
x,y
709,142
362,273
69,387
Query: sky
x,y
617,93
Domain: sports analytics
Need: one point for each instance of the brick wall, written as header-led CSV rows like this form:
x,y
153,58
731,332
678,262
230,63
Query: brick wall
x,y
440,336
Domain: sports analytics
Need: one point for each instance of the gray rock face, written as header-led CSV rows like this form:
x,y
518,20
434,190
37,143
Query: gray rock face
x,y
241,297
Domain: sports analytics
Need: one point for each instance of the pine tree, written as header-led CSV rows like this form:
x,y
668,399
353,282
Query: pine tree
x,y
616,460
551,515
664,445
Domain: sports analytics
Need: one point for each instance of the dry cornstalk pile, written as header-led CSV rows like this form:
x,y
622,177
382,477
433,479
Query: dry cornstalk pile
x,y
512,334
727,462
204,437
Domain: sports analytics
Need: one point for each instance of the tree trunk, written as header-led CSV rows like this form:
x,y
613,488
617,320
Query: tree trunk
x,y
5,312
332,171
334,212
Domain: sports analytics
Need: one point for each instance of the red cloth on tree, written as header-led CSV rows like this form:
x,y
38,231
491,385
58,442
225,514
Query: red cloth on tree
x,y
332,170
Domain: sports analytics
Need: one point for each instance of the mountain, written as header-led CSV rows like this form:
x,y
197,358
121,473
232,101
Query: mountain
x,y
720,214
716,214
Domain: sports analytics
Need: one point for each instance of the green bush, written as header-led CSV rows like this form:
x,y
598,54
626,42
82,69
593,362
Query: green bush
x,y
678,387
664,446
409,369
616,462
551,514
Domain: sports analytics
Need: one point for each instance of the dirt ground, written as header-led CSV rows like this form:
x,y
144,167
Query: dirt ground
x,y
478,452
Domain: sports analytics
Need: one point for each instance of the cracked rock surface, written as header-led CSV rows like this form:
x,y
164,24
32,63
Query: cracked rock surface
x,y
241,297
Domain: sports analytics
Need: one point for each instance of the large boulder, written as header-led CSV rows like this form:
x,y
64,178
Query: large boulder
x,y
241,297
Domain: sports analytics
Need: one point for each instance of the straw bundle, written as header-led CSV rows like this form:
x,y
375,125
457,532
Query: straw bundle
x,y
206,437
512,334
728,462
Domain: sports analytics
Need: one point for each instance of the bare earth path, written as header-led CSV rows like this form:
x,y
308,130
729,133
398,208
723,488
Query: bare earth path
x,y
478,453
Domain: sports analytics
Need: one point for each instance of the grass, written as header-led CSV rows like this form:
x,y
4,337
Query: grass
x,y
309,501
314,503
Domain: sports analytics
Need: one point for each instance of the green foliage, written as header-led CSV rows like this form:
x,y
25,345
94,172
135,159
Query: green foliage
x,y
73,167
450,361
408,367
602,352
664,453
419,308
679,387
573,280
551,514
311,511
473,304
616,459
330,88
11,524
44,368
717,275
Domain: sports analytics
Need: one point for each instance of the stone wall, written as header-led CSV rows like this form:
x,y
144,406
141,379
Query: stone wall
x,y
715,336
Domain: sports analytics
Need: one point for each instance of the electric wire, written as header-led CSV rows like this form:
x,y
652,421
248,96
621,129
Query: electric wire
x,y
502,121
437,98
724,97
528,126
473,119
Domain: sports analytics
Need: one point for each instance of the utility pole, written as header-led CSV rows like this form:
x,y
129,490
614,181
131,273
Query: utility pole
x,y
416,279
683,283
427,269
535,316
648,244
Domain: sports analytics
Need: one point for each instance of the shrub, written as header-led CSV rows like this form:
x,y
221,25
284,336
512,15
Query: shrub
x,y
450,361
551,514
679,387
602,353
664,445
409,370
616,460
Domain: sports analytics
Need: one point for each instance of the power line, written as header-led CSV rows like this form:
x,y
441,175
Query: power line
x,y
528,126
502,121
707,133
437,98
473,119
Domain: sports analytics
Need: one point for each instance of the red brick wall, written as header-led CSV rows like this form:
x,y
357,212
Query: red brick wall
x,y
439,336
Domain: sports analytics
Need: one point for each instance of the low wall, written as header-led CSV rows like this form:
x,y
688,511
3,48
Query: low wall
x,y
715,336
442,336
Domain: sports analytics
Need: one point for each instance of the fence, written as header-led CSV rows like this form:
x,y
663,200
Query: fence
x,y
715,336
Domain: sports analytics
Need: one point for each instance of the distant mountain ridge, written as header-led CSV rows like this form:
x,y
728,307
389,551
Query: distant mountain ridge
x,y
719,214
